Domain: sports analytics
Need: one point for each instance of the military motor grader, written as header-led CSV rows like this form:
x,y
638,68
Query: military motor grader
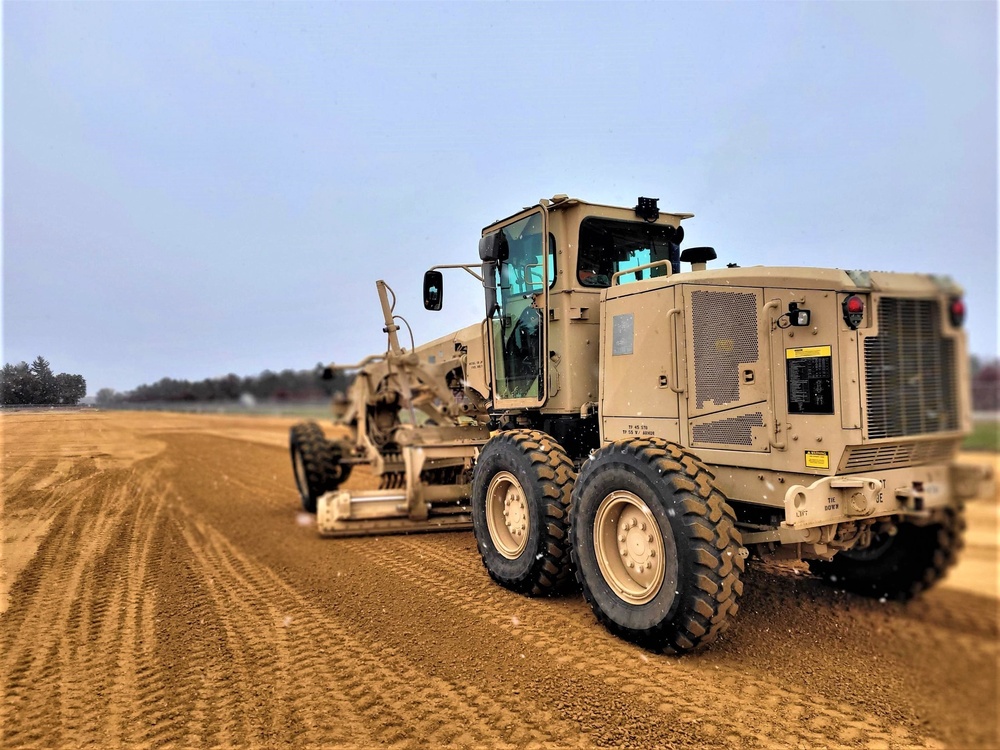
x,y
646,427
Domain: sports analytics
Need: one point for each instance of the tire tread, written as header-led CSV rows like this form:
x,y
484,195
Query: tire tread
x,y
556,476
710,525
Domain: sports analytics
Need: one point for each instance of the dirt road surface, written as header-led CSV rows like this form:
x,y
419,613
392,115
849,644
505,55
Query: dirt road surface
x,y
159,588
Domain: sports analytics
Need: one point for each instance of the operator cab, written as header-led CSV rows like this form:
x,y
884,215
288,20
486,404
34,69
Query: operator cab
x,y
534,265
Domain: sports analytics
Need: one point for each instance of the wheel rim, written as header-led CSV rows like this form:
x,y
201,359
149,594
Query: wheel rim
x,y
300,473
632,553
507,515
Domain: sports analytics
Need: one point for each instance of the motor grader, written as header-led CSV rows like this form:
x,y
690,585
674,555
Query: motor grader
x,y
642,428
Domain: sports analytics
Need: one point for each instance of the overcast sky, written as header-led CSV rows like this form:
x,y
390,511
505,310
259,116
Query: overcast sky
x,y
193,189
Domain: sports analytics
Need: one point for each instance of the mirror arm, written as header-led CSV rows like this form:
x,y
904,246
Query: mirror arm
x,y
467,267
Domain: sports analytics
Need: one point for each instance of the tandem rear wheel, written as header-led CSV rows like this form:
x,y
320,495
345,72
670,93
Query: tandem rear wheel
x,y
898,566
655,545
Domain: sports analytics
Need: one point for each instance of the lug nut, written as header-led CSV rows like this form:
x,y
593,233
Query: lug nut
x,y
642,527
631,564
649,537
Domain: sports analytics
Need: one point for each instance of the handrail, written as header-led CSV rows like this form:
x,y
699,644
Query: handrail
x,y
772,437
665,263
675,369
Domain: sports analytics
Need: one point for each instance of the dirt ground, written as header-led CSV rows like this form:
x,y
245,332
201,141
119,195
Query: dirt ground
x,y
158,587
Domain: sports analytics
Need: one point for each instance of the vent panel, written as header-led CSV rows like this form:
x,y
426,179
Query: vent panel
x,y
725,336
898,454
910,371
729,431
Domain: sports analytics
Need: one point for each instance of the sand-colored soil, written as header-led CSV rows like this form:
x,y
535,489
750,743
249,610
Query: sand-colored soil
x,y
159,587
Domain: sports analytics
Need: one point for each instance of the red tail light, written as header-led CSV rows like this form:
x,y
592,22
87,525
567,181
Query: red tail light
x,y
956,311
854,311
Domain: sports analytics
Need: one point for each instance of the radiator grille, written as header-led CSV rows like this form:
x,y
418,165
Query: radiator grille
x,y
910,371
898,454
725,336
729,431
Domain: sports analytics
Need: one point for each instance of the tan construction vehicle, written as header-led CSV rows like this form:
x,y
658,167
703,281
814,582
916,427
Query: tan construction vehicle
x,y
646,428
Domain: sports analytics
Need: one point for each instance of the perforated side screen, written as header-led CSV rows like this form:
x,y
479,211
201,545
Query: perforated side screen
x,y
729,431
725,336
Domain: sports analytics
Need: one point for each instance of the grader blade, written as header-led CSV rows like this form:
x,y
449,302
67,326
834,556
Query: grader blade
x,y
421,505
371,513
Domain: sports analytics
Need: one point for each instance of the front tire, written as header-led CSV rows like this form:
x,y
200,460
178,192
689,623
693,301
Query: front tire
x,y
898,567
521,490
313,463
655,545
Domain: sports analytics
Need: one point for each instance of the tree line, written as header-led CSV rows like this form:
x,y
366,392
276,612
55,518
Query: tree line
x,y
37,384
287,385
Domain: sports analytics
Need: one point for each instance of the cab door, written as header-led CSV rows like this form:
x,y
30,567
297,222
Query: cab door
x,y
518,324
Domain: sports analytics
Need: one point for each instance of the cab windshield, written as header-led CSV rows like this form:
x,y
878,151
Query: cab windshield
x,y
608,246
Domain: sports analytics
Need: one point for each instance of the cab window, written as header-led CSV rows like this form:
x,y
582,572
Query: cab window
x,y
523,267
608,246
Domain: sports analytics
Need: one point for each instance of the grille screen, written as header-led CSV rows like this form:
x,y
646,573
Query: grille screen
x,y
910,371
729,431
899,454
725,336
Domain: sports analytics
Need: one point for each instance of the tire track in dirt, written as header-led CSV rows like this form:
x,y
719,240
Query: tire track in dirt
x,y
258,633
137,694
527,723
17,480
213,691
669,683
175,602
47,654
399,704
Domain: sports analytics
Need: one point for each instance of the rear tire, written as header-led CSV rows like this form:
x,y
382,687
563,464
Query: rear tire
x,y
313,463
655,545
898,567
521,490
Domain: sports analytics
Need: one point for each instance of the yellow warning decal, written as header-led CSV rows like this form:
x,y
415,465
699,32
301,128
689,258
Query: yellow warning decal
x,y
809,351
818,459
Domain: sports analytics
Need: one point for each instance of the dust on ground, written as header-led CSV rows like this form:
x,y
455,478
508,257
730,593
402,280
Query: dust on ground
x,y
159,586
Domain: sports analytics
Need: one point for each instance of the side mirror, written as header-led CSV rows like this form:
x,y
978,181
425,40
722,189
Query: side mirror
x,y
493,247
490,287
433,290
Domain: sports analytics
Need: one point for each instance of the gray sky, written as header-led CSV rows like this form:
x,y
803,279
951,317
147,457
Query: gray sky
x,y
192,189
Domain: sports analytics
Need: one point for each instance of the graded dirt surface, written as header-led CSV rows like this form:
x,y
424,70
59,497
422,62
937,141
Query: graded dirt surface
x,y
160,588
